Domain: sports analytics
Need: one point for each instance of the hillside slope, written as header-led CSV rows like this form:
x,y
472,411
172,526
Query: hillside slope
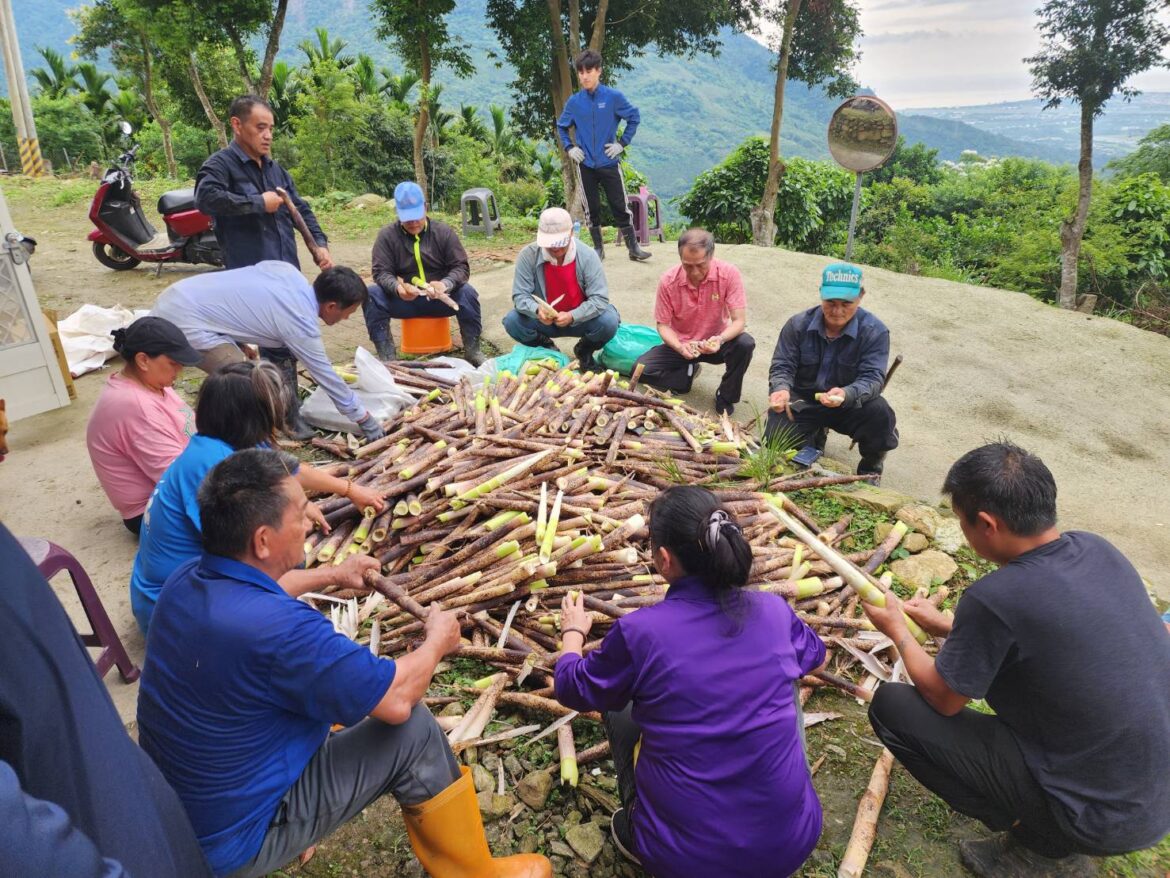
x,y
695,110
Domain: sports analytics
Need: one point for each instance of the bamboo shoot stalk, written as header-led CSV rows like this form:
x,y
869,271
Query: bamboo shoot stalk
x,y
411,468
865,825
550,528
477,718
542,512
568,754
854,578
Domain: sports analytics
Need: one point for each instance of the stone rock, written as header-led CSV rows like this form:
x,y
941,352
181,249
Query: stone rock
x,y
364,202
573,818
494,807
919,571
482,778
529,843
880,499
949,536
914,542
577,870
534,789
452,709
920,517
512,766
587,840
490,761
560,849
881,530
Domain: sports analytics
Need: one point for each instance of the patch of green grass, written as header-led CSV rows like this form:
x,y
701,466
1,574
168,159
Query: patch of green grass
x,y
828,509
1151,863
769,461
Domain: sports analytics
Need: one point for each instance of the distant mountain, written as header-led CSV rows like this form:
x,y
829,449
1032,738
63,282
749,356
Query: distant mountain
x,y
1115,133
694,111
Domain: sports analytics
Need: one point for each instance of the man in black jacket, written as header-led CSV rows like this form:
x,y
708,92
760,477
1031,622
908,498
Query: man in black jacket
x,y
417,262
237,187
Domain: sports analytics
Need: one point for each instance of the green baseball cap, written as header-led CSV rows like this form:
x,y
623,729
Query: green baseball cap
x,y
841,281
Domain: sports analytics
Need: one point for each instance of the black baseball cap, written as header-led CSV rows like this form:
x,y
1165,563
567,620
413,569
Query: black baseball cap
x,y
155,336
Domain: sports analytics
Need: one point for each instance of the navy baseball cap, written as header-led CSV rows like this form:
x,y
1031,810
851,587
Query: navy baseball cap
x,y
154,336
409,201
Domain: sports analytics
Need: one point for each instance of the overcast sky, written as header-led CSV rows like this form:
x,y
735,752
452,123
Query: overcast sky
x,y
933,53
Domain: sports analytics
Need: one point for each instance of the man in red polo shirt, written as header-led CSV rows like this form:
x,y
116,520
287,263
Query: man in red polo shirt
x,y
559,289
701,311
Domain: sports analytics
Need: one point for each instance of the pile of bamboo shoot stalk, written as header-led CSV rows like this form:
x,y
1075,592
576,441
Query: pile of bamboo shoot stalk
x,y
502,498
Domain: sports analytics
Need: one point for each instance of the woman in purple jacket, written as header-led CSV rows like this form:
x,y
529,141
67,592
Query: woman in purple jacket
x,y
701,706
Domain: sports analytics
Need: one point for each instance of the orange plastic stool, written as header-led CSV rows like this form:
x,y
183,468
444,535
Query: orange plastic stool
x,y
426,335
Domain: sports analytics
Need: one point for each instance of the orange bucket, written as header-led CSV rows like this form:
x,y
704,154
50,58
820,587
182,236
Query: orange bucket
x,y
426,335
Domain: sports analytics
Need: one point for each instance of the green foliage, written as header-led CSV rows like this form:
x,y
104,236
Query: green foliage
x,y
62,124
1151,157
812,206
58,77
1140,206
191,145
917,163
328,113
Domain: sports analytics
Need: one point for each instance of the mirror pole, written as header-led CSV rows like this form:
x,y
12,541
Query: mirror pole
x,y
853,218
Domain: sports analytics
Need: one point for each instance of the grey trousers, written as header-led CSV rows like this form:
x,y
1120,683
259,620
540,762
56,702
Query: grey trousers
x,y
353,769
219,356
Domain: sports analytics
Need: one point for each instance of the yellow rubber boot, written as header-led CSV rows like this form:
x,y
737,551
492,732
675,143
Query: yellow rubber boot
x,y
446,833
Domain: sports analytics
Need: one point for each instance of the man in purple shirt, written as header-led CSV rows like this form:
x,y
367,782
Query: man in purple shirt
x,y
719,784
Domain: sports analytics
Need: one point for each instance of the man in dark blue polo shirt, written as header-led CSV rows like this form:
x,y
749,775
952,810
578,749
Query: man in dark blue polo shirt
x,y
242,682
237,187
828,371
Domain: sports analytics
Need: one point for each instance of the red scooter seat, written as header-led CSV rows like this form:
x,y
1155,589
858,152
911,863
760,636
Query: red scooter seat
x,y
176,201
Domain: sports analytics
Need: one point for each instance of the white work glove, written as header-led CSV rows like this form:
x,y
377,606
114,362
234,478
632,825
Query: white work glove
x,y
577,154
613,150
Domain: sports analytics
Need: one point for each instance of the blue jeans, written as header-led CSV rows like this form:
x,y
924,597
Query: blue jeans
x,y
381,306
596,332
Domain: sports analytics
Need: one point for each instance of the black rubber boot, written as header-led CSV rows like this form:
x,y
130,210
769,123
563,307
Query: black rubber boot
x,y
623,834
723,406
872,463
636,252
598,241
1004,857
386,350
471,351
583,351
295,427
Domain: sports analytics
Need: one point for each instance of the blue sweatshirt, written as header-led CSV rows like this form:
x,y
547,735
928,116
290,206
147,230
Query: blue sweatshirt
x,y
595,115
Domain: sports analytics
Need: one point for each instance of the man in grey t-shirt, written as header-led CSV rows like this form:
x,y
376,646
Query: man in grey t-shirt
x,y
1063,643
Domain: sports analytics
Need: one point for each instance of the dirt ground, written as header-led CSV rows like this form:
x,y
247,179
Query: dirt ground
x,y
1090,395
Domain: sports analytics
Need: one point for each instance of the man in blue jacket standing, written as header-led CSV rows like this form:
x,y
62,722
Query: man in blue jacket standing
x,y
594,112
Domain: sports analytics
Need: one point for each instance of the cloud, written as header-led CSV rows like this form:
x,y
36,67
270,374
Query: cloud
x,y
908,36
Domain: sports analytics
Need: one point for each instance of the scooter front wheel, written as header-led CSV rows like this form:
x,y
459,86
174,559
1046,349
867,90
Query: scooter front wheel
x,y
113,256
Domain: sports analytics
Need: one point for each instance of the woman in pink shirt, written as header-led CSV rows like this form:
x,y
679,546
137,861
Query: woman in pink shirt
x,y
139,424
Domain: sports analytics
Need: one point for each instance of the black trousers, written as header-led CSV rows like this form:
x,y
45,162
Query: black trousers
x,y
624,734
665,368
972,762
592,181
873,424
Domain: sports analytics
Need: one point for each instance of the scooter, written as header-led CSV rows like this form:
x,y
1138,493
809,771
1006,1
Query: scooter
x,y
123,237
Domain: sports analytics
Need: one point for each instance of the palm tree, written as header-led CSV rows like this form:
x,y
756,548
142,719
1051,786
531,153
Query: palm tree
x,y
365,78
471,124
60,77
326,49
128,104
94,93
510,152
398,88
282,94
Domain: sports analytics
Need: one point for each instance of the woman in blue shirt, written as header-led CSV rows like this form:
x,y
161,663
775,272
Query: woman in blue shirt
x,y
240,406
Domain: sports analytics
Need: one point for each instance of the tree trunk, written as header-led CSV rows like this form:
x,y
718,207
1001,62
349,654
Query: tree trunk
x,y
241,53
561,89
271,49
597,41
424,112
574,29
209,111
148,98
1072,230
763,215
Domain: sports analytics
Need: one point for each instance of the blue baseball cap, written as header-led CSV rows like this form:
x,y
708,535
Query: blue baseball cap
x,y
841,281
409,201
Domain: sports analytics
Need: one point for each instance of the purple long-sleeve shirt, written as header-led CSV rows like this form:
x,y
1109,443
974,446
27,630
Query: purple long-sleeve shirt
x,y
723,784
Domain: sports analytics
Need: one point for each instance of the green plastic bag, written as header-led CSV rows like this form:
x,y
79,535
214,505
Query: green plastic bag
x,y
630,342
514,360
